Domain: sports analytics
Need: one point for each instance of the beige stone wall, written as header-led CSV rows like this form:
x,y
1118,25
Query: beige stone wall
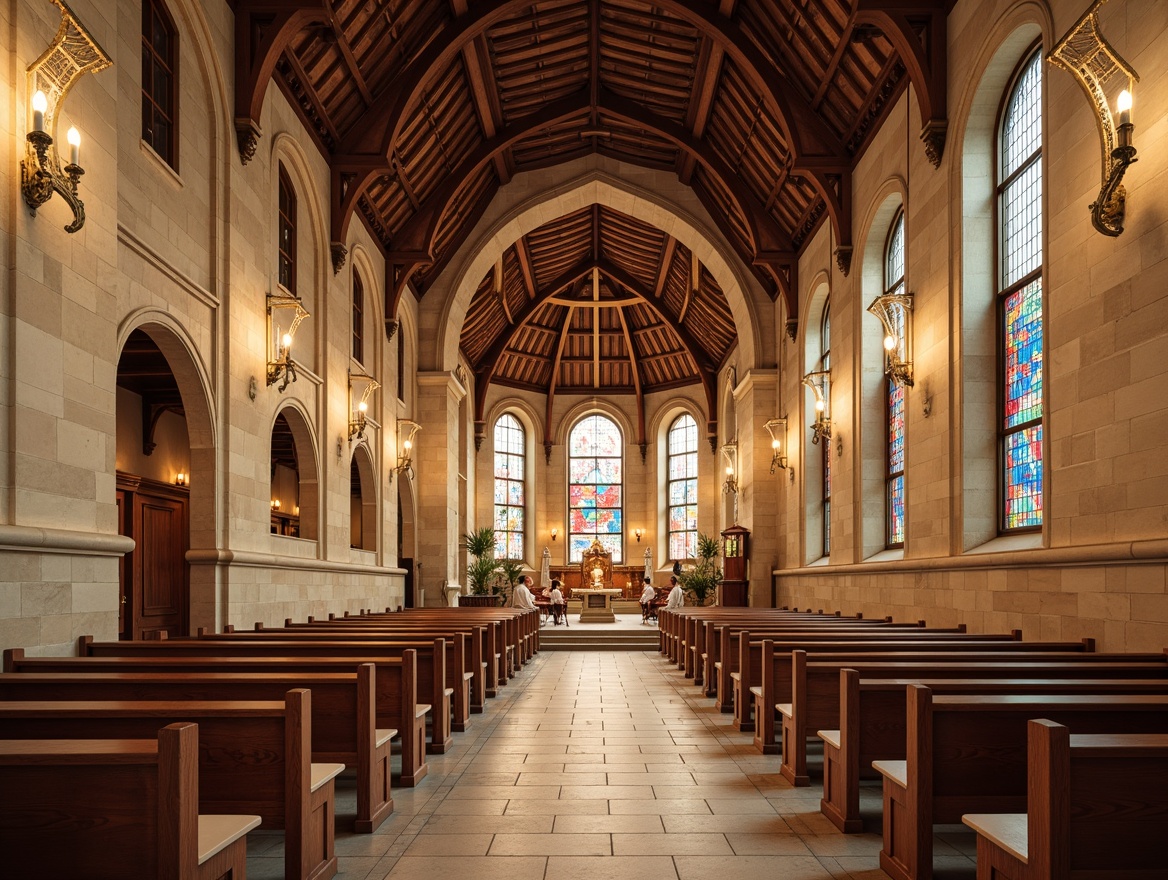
x,y
1098,566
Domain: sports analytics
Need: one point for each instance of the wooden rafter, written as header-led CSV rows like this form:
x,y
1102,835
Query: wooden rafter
x,y
636,372
551,392
663,267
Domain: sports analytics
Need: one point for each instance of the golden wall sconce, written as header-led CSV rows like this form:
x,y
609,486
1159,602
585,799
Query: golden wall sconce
x,y
406,430
285,314
71,54
730,454
554,533
1085,53
895,311
361,387
819,381
777,428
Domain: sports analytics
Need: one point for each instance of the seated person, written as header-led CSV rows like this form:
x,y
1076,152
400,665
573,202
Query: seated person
x,y
676,595
523,597
648,594
558,605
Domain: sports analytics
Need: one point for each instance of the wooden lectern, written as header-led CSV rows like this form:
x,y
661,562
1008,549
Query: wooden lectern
x,y
735,562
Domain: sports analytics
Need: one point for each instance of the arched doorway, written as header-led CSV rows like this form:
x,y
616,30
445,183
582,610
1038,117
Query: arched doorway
x,y
362,501
294,483
407,540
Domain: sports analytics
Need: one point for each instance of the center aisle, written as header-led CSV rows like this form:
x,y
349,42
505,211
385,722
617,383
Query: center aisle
x,y
605,766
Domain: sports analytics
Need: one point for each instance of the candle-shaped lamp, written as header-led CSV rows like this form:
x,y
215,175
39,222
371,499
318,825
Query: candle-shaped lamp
x,y
74,138
40,104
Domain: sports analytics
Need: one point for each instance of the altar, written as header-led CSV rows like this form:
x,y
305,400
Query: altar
x,y
596,605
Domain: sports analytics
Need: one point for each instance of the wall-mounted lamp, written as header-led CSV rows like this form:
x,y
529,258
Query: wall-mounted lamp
x,y
637,532
72,54
405,445
554,533
895,313
1098,68
361,387
180,479
275,504
777,428
819,381
730,454
285,312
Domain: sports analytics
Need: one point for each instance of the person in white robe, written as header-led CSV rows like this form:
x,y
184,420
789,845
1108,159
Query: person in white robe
x,y
676,595
648,594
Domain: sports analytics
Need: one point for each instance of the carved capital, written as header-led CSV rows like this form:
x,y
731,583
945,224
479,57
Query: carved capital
x,y
480,434
792,328
391,326
644,452
339,253
933,137
547,451
248,133
843,258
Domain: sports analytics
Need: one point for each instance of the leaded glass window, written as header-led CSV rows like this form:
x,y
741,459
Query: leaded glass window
x,y
510,487
825,444
894,401
358,319
159,81
287,233
595,474
1020,319
682,465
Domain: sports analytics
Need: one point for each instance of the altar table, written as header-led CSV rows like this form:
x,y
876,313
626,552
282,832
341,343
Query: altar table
x,y
596,605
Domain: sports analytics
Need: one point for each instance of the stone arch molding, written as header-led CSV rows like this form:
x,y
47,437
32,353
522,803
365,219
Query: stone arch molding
x,y
588,407
518,211
522,410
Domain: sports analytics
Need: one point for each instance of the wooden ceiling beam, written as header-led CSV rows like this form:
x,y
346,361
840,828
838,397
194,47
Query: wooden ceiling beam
x,y
525,269
637,383
484,90
551,392
917,30
664,266
351,64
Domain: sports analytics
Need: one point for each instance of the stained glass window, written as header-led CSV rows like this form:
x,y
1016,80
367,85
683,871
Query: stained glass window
x,y
825,444
1020,299
510,487
595,474
894,401
683,488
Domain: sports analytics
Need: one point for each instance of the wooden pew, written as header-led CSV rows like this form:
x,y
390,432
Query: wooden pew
x,y
287,791
967,754
396,703
114,809
344,721
1097,806
815,684
872,720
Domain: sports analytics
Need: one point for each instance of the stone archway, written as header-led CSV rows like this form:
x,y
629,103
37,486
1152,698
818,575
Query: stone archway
x,y
363,505
293,450
407,541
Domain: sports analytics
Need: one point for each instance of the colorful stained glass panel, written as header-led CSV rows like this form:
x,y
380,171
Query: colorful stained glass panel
x,y
594,485
683,487
1023,334
510,493
896,510
1023,488
895,429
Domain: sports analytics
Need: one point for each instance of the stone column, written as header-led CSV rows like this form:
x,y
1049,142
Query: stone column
x,y
758,491
437,480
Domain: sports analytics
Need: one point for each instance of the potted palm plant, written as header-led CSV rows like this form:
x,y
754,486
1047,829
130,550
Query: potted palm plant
x,y
480,544
703,579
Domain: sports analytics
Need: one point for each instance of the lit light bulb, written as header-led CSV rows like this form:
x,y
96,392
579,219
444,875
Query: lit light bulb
x,y
889,343
74,138
40,105
729,471
819,406
408,445
286,341
362,407
1124,104
775,445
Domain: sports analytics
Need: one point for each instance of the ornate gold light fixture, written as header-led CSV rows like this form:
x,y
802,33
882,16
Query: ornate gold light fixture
x,y
1085,53
285,312
730,454
406,430
361,387
777,428
895,313
819,381
72,54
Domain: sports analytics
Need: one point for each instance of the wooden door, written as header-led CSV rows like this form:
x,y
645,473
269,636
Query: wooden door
x,y
126,562
408,565
155,576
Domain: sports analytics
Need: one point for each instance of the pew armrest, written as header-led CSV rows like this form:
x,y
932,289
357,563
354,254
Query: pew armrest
x,y
322,773
449,692
736,676
216,833
1007,831
383,735
896,771
757,691
784,709
421,709
831,737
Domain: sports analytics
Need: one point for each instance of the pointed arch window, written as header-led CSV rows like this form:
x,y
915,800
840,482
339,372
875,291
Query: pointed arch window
x,y
1019,300
358,319
160,81
286,246
510,487
595,486
894,397
682,466
825,444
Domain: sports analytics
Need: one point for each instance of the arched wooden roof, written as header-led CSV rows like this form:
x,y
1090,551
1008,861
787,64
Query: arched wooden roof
x,y
424,108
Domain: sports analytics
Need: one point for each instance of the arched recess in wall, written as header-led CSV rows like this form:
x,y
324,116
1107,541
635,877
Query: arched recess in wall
x,y
164,428
972,179
311,244
519,212
728,428
539,518
407,540
363,497
872,403
295,481
815,518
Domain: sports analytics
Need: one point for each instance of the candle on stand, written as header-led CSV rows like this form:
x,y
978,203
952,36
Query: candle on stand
x,y
1124,106
40,104
74,138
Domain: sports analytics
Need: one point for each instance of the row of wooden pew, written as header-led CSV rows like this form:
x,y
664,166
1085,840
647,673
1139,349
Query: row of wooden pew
x,y
1053,752
236,730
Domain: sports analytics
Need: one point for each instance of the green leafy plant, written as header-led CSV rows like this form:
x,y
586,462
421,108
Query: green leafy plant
x,y
481,572
511,570
703,578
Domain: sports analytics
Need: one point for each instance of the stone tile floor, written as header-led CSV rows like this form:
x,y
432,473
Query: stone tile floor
x,y
606,766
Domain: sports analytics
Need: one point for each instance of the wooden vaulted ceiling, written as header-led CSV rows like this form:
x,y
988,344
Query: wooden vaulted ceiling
x,y
425,108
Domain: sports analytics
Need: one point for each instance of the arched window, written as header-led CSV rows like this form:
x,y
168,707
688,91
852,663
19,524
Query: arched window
x,y
894,397
159,79
287,233
825,444
358,319
595,472
510,487
1019,208
682,466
